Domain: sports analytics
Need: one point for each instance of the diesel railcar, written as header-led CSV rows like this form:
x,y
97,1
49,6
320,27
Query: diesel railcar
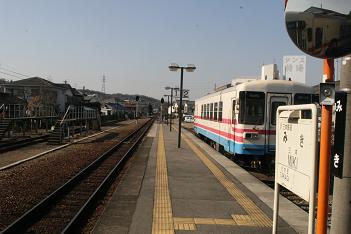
x,y
241,117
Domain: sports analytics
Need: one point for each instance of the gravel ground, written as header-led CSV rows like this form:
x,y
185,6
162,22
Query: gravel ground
x,y
31,150
25,185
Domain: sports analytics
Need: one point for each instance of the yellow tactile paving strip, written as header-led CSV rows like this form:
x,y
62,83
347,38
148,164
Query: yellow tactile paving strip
x,y
190,223
162,213
163,220
256,217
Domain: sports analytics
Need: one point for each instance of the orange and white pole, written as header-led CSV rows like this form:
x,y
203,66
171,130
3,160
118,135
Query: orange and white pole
x,y
324,158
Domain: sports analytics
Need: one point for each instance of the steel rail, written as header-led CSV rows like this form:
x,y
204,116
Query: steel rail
x,y
8,146
101,190
38,211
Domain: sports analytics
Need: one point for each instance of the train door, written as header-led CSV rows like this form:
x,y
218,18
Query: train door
x,y
274,101
232,124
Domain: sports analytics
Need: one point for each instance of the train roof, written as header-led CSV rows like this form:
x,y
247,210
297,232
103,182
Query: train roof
x,y
277,86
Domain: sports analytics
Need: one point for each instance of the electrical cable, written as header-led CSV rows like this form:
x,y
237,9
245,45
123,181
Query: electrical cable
x,y
5,69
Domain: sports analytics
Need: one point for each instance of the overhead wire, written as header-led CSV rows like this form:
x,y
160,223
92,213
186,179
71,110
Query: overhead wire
x,y
18,73
8,74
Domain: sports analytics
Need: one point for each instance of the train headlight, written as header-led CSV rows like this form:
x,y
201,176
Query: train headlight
x,y
251,135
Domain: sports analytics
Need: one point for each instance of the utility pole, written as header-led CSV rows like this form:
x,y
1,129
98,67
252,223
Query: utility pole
x,y
341,213
180,107
103,88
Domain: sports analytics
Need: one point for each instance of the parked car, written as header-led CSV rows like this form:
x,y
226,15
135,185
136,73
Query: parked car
x,y
188,118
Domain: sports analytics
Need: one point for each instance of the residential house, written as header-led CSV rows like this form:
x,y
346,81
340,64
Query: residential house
x,y
43,97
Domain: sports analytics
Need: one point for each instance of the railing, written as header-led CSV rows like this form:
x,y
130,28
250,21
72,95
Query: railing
x,y
79,113
13,110
65,115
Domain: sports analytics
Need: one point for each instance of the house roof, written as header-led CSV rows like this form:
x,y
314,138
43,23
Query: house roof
x,y
38,81
33,81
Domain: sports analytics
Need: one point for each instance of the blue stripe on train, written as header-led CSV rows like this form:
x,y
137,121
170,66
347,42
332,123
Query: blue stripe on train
x,y
231,146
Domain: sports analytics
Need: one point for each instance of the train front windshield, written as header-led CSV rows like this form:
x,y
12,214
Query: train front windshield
x,y
252,105
302,98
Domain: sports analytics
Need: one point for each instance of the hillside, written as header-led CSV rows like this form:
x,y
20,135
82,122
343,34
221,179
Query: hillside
x,y
118,97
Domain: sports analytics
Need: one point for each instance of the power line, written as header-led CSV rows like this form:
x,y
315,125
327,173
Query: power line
x,y
10,75
5,69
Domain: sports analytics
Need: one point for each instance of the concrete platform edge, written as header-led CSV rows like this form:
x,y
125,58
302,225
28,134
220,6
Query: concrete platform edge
x,y
288,211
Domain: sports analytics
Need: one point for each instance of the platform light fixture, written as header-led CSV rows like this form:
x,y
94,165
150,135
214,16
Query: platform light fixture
x,y
188,68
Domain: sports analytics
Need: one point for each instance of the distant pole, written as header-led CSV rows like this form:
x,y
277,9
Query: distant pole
x,y
103,88
180,106
170,119
341,215
161,112
324,158
167,109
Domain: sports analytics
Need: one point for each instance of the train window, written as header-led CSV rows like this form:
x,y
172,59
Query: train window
x,y
220,109
211,111
202,111
252,105
215,111
208,111
302,98
274,108
315,98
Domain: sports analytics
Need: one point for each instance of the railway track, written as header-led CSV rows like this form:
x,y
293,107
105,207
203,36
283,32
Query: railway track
x,y
66,209
11,145
16,144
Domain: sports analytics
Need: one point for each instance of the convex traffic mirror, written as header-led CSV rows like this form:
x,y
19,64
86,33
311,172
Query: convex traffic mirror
x,y
320,28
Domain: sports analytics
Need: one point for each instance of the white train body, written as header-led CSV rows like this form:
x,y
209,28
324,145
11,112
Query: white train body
x,y
241,118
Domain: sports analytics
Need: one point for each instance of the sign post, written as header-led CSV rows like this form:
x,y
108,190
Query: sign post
x,y
296,153
339,133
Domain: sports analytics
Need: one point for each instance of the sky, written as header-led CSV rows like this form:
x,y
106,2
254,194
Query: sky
x,y
132,42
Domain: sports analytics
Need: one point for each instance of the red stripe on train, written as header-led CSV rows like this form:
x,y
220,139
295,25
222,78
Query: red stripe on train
x,y
242,130
238,139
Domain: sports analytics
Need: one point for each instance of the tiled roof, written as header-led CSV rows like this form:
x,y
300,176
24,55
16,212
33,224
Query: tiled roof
x,y
37,81
33,81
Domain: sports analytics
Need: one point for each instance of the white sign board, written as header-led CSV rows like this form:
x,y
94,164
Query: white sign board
x,y
294,68
295,159
296,151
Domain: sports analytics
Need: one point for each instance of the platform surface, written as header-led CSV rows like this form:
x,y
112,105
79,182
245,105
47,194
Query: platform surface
x,y
192,189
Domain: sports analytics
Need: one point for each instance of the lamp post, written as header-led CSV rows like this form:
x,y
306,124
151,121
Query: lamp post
x,y
188,68
167,95
170,119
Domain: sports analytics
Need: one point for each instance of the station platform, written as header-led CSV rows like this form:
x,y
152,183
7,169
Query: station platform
x,y
192,189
